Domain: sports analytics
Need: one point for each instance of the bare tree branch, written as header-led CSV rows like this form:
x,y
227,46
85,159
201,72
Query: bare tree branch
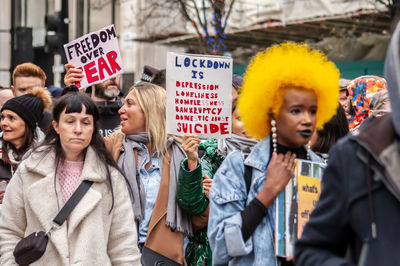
x,y
186,15
228,14
196,9
200,14
205,18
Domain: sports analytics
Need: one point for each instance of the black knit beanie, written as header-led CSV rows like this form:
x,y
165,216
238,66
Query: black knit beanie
x,y
28,107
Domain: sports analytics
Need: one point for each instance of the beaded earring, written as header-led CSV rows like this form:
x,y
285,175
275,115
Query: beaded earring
x,y
308,150
274,136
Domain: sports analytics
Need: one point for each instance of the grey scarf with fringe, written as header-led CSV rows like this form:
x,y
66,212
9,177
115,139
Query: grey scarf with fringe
x,y
226,146
176,217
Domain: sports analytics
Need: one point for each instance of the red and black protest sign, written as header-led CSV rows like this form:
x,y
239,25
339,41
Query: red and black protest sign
x,y
199,95
97,54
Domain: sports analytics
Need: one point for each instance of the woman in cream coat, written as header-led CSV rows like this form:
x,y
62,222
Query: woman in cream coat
x,y
100,230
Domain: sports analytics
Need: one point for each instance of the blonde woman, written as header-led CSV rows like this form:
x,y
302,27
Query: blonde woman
x,y
150,160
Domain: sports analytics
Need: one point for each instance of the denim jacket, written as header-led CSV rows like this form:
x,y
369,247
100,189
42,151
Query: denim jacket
x,y
228,198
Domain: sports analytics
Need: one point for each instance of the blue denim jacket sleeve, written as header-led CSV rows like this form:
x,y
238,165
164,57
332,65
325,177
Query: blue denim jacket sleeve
x,y
227,199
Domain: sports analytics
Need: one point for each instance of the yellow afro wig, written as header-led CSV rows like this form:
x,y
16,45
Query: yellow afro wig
x,y
277,69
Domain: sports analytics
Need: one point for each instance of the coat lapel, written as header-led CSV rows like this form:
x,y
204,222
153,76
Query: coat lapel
x,y
46,203
42,199
83,209
94,171
41,194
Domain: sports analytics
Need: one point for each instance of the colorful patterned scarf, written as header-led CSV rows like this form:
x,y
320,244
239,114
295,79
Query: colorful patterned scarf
x,y
361,90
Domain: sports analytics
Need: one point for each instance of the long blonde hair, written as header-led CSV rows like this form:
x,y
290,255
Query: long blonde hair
x,y
152,101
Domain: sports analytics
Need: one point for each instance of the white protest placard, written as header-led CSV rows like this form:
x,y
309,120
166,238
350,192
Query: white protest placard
x,y
97,54
199,95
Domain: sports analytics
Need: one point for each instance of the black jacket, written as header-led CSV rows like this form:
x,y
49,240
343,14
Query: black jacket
x,y
109,117
5,171
340,224
45,121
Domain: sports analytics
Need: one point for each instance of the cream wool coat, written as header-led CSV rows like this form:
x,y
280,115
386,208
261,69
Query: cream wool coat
x,y
94,236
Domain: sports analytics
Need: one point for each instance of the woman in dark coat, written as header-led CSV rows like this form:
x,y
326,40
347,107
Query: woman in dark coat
x,y
356,221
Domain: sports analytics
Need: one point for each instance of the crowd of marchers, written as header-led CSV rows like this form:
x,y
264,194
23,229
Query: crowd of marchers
x,y
154,197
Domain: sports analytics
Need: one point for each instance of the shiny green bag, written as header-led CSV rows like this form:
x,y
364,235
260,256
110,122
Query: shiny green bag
x,y
198,250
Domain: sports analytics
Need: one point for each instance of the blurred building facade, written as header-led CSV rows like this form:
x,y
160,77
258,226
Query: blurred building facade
x,y
349,32
23,35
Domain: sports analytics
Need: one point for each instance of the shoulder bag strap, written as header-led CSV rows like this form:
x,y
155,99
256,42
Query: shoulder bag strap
x,y
72,202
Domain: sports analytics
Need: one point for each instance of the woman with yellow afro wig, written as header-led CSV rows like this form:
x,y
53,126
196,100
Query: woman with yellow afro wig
x,y
289,90
277,69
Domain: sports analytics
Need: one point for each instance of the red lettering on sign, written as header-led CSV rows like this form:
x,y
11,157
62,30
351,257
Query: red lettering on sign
x,y
112,56
90,71
103,66
195,128
198,128
185,128
213,128
224,128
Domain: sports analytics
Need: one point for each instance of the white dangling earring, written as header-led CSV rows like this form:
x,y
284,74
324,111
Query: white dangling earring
x,y
274,136
308,150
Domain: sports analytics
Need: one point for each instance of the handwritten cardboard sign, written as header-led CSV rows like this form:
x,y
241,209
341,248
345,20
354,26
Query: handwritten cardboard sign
x,y
199,95
309,189
97,54
294,205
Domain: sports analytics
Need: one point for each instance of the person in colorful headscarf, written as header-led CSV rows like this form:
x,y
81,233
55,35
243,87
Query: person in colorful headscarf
x,y
361,90
288,91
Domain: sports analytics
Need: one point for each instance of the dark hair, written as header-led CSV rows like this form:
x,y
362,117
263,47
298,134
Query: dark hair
x,y
234,105
70,89
29,136
237,82
72,103
159,78
333,130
